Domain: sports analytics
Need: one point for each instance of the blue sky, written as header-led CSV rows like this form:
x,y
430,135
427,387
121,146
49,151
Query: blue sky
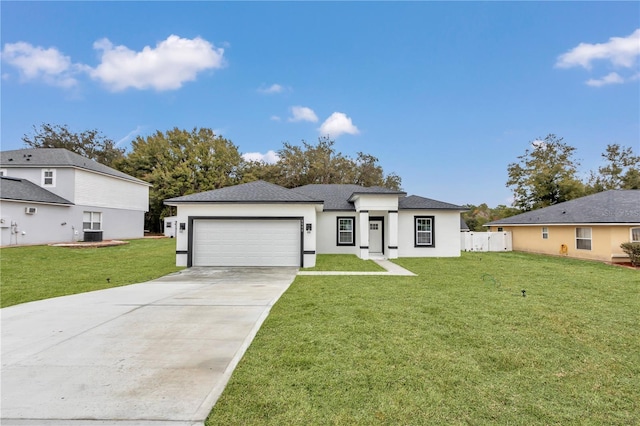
x,y
445,94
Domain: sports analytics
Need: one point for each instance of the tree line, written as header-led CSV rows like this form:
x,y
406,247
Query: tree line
x,y
181,162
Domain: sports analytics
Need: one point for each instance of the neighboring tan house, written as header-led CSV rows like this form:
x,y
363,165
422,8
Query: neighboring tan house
x,y
50,195
591,227
262,224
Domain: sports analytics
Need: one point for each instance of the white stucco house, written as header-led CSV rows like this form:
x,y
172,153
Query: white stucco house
x,y
50,195
262,224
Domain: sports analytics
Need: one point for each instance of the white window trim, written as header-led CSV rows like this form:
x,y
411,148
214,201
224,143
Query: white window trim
x,y
545,232
53,177
590,239
631,234
352,232
431,220
92,221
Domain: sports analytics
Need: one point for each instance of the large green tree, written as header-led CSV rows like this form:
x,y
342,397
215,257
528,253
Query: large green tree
x,y
320,164
476,216
621,170
180,162
89,143
545,175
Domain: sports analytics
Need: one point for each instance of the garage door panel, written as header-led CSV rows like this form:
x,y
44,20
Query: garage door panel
x,y
223,242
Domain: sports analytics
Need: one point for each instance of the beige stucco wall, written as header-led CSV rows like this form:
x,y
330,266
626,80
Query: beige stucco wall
x,y
605,240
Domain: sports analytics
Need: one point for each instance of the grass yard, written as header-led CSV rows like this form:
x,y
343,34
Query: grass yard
x,y
40,272
457,345
344,262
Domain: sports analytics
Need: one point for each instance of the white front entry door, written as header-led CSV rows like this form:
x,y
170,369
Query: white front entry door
x,y
375,236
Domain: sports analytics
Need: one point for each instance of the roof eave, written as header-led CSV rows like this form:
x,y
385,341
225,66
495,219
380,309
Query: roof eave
x,y
51,203
172,202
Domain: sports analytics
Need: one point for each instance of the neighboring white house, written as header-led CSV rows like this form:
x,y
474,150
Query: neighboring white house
x,y
54,195
261,224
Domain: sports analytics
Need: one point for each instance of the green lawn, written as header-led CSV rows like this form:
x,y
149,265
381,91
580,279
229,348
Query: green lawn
x,y
457,345
41,272
344,262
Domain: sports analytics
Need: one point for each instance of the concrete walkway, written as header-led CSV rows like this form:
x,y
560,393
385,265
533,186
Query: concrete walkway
x,y
392,269
151,354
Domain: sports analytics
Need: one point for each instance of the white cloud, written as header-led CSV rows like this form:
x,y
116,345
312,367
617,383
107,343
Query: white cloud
x,y
337,124
621,51
38,63
538,143
300,113
168,66
270,157
611,78
275,118
273,89
129,137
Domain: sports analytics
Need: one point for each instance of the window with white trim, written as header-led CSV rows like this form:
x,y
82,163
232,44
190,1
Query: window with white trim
x,y
423,231
545,233
48,177
92,221
635,235
346,231
583,238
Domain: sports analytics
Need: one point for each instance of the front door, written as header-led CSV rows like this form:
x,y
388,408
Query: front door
x,y
375,237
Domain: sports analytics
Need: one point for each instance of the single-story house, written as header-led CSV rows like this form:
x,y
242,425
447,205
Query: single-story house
x,y
262,224
50,195
591,227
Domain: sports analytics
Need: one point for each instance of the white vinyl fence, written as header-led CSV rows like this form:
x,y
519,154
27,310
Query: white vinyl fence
x,y
485,241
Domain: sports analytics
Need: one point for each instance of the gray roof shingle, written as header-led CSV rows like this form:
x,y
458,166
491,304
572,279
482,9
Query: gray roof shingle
x,y
14,189
252,192
420,203
615,206
337,196
57,157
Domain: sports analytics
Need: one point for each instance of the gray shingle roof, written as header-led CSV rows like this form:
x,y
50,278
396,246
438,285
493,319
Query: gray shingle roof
x,y
615,206
253,192
337,196
23,190
57,157
420,203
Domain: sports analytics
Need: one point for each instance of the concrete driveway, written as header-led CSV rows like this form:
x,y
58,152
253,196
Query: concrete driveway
x,y
156,353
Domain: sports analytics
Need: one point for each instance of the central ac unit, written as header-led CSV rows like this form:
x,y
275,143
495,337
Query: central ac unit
x,y
30,210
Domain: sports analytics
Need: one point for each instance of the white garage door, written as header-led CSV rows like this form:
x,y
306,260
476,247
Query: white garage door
x,y
224,242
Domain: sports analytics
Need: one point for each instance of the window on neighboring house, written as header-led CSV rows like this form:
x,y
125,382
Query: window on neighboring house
x,y
346,231
545,233
168,224
92,221
635,235
583,238
48,178
423,227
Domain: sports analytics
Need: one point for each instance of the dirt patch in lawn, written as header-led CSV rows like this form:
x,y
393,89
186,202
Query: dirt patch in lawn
x,y
627,265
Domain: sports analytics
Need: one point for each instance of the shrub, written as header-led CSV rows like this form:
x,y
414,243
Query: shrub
x,y
633,250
